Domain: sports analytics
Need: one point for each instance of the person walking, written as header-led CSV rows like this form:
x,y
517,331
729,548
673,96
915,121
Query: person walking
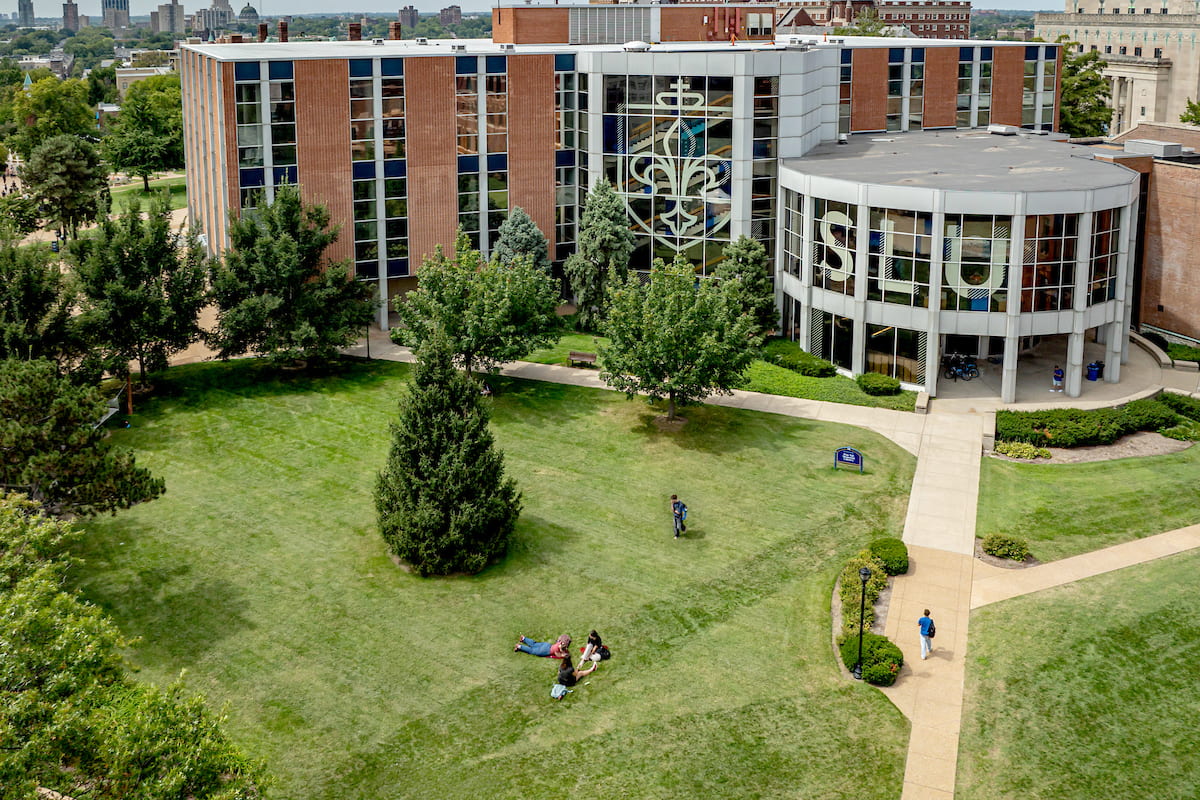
x,y
1058,379
927,632
679,514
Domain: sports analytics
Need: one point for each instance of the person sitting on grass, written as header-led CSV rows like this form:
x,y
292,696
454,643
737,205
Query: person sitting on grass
x,y
568,675
591,651
543,649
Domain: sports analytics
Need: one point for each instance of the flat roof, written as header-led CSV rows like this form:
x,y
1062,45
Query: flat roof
x,y
401,48
962,161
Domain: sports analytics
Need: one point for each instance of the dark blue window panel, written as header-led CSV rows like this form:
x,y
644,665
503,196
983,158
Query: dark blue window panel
x,y
363,169
391,67
468,164
1032,52
252,178
360,68
285,175
497,162
395,169
497,64
564,158
397,268
564,62
895,55
466,65
985,54
245,71
918,55
366,269
279,70
847,55
966,54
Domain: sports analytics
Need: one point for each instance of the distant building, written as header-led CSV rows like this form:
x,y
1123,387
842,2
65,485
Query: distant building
x,y
169,18
450,15
208,20
116,14
927,19
25,13
127,76
409,17
1015,34
70,18
248,15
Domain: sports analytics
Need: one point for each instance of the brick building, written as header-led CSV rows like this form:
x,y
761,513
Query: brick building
x,y
929,19
450,15
408,17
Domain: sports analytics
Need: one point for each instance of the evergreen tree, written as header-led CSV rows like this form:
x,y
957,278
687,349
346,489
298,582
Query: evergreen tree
x,y
444,504
50,447
65,175
277,295
489,313
520,236
605,243
143,288
36,302
1083,102
745,277
674,338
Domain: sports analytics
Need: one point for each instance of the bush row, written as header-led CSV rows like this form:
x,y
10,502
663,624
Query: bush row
x,y
1183,352
892,553
881,659
850,591
1021,450
1181,404
1074,427
787,354
876,384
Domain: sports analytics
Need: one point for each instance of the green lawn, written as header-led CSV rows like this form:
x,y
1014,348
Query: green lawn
x,y
261,573
580,342
1086,691
121,195
1067,509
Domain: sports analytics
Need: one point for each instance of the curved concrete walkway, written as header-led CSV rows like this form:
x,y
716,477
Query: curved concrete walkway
x,y
944,576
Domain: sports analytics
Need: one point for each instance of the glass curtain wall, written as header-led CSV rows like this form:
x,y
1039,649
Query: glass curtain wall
x,y
265,111
975,259
833,251
896,352
900,255
1106,236
1048,263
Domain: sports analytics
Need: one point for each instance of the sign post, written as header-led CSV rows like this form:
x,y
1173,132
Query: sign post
x,y
848,456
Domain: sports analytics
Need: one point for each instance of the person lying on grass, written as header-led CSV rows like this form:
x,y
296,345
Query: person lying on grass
x,y
543,649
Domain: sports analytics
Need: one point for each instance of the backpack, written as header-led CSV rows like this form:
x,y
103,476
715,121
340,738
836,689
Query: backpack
x,y
932,629
558,691
682,511
604,654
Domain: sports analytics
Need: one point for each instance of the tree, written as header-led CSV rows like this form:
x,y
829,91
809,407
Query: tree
x,y
30,541
102,85
64,174
488,312
36,302
277,293
143,286
605,243
50,447
19,215
50,108
1191,116
1083,103
745,277
675,338
443,502
147,136
520,236
865,23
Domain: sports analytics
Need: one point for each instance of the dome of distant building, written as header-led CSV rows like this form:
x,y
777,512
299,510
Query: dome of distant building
x,y
248,15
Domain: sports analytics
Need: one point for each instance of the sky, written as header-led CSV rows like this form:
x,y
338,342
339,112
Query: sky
x,y
48,8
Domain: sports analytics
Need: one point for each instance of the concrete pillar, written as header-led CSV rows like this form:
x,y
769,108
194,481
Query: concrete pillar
x,y
806,310
1125,276
1074,367
862,257
933,329
1118,334
1012,309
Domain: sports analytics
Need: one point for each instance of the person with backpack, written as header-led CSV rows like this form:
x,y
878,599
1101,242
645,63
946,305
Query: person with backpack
x,y
928,630
679,514
594,650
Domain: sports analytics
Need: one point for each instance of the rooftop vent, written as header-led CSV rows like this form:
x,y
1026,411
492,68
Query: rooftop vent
x,y
637,46
1153,147
458,48
1003,130
507,47
422,40
377,41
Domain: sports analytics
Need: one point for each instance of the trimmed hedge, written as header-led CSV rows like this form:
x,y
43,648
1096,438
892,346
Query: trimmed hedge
x,y
1181,404
1021,450
881,659
1074,427
876,384
850,591
892,553
787,354
1002,545
1183,352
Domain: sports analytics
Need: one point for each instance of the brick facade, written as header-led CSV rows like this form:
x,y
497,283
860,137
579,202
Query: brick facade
x,y
531,138
868,97
1008,85
941,87
432,155
1169,266
323,145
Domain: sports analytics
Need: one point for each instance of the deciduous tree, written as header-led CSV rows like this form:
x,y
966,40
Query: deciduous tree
x,y
64,174
1083,102
520,236
745,277
675,338
278,294
50,108
866,23
147,136
605,243
443,502
1191,116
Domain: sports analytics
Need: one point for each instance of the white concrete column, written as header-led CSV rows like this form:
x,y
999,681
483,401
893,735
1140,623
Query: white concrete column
x,y
1117,337
806,310
1083,256
1125,277
933,326
862,257
1074,368
742,163
1012,309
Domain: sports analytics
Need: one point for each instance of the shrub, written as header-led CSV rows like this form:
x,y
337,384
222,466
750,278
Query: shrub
x,y
892,553
1157,339
881,659
787,354
1021,450
1149,415
1075,427
1181,404
1188,431
876,384
1183,352
851,589
1002,545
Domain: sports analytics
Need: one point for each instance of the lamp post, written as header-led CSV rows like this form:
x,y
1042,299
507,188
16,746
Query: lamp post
x,y
864,575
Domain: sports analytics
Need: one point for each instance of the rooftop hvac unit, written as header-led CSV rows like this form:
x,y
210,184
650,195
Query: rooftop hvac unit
x,y
637,47
1003,130
458,48
422,40
508,47
377,41
1153,147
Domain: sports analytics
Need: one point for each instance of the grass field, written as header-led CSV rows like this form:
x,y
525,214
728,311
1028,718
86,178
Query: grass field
x,y
580,342
1086,691
1067,509
261,573
177,187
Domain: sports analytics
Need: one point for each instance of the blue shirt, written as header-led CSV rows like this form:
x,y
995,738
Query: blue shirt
x,y
925,622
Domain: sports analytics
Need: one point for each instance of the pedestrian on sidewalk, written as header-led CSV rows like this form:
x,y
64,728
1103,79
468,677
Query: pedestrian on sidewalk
x,y
679,514
928,629
1058,379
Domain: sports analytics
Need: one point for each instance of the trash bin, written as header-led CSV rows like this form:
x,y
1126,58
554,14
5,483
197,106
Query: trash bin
x,y
1100,370
1093,371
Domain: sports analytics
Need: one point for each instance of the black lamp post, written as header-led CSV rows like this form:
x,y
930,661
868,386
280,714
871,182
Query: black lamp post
x,y
864,575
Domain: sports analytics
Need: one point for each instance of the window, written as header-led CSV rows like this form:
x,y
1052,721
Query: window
x,y
1137,51
1121,50
1158,52
896,352
1048,271
834,245
1102,281
466,100
1108,49
975,260
900,254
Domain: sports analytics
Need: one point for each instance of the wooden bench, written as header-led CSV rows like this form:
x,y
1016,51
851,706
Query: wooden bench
x,y
575,357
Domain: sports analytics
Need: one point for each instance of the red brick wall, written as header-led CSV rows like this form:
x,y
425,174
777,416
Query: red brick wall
x,y
233,200
323,145
868,97
1008,84
531,25
432,155
941,86
686,23
1170,260
531,133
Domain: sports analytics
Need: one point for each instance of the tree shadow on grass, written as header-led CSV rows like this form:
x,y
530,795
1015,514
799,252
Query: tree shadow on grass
x,y
535,544
713,430
538,402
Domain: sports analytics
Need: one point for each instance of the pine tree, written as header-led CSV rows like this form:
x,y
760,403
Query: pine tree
x,y
65,175
143,287
745,278
520,236
605,243
444,504
36,302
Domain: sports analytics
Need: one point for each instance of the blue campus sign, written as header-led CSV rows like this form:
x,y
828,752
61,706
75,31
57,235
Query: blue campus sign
x,y
848,456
